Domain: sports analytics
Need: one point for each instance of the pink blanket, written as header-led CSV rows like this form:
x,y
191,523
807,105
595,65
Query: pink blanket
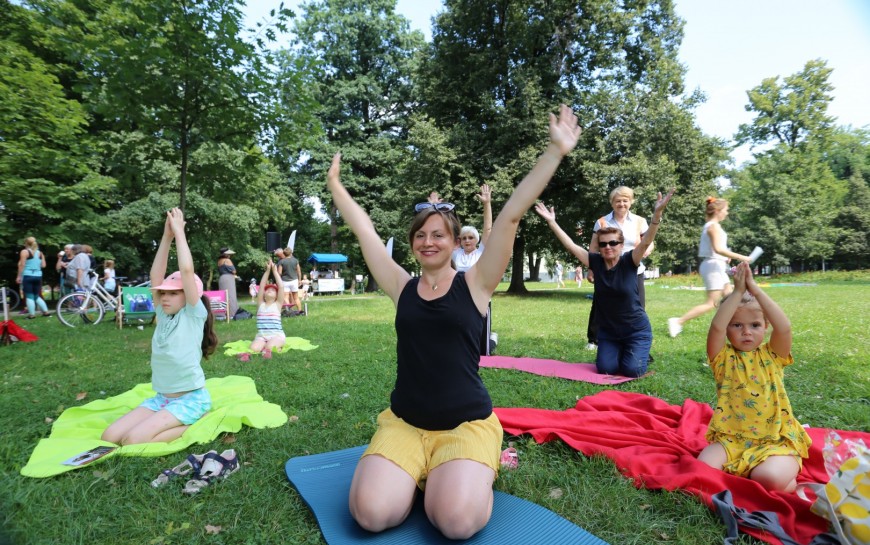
x,y
656,444
553,368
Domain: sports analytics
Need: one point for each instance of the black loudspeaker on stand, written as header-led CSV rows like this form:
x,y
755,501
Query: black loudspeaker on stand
x,y
273,241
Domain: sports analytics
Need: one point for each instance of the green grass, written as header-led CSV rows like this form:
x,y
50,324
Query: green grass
x,y
112,502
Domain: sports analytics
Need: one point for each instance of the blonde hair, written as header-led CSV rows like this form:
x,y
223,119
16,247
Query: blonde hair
x,y
714,205
30,242
109,264
622,191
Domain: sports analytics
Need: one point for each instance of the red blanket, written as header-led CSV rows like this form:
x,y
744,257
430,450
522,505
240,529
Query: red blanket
x,y
656,445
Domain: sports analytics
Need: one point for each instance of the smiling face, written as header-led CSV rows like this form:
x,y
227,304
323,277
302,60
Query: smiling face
x,y
468,242
621,205
433,242
171,300
608,252
747,328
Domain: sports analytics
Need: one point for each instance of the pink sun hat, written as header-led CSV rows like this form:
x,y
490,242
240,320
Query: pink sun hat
x,y
173,282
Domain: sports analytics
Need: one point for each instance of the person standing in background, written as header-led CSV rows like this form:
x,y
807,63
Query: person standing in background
x,y
227,279
31,261
288,268
713,249
63,259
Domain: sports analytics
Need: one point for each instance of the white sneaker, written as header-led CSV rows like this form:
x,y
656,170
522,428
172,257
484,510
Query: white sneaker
x,y
592,346
674,326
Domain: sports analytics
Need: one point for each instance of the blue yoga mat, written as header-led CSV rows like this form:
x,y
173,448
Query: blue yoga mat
x,y
323,481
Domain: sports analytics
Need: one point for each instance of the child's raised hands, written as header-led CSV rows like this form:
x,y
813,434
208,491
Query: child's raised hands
x,y
751,286
741,272
175,218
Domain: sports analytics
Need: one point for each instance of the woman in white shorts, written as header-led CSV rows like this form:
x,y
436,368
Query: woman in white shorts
x,y
714,251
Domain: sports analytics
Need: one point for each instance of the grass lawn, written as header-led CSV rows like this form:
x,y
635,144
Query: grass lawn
x,y
337,390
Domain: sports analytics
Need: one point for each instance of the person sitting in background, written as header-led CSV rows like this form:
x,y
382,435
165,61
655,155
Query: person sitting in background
x,y
109,276
270,332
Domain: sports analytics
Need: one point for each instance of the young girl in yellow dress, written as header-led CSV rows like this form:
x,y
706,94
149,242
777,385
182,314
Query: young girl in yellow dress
x,y
753,432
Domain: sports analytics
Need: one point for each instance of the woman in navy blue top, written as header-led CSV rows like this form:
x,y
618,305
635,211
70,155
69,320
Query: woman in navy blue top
x,y
439,433
625,335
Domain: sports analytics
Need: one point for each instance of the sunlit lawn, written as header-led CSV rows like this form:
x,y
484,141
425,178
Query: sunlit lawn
x,y
337,390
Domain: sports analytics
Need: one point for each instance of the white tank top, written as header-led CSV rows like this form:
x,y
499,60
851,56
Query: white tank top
x,y
705,248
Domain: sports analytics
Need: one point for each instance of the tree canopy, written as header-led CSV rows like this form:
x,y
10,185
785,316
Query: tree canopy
x,y
112,111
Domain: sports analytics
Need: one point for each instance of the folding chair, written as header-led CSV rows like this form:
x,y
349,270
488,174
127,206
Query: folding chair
x,y
220,305
136,305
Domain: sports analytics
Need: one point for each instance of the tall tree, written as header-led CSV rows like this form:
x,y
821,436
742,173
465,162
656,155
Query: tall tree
x,y
788,199
177,71
49,186
361,53
496,67
791,112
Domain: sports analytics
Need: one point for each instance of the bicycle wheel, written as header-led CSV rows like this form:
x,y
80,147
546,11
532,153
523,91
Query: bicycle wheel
x,y
12,299
76,309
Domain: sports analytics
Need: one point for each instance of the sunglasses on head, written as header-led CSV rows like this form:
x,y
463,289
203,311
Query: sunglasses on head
x,y
439,206
610,243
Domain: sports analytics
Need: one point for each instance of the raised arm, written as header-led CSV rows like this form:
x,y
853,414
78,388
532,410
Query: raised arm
x,y
158,267
781,335
388,274
485,196
185,259
265,280
485,275
645,246
718,331
550,217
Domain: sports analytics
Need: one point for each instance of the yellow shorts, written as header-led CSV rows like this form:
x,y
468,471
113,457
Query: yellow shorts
x,y
744,455
419,451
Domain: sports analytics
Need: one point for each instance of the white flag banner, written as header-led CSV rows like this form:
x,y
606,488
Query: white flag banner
x,y
291,242
390,247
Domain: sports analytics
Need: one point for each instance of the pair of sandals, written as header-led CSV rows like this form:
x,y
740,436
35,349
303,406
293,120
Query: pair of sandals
x,y
201,470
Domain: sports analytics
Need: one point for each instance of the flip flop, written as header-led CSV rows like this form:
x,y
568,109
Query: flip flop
x,y
190,467
215,467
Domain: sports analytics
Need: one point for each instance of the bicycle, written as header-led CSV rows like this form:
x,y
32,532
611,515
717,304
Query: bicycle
x,y
86,307
12,298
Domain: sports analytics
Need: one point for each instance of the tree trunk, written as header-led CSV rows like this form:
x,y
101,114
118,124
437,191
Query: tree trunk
x,y
517,285
534,267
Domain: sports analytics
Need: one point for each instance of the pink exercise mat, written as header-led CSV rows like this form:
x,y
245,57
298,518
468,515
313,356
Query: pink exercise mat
x,y
553,368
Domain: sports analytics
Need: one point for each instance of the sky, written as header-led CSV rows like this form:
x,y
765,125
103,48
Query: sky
x,y
730,46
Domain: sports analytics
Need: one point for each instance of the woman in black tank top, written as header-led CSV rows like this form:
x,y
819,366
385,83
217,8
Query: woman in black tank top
x,y
438,388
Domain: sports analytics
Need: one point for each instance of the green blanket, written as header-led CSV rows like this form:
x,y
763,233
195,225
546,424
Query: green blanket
x,y
293,343
235,402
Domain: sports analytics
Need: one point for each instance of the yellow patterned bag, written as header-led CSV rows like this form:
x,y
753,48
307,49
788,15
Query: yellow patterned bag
x,y
845,500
